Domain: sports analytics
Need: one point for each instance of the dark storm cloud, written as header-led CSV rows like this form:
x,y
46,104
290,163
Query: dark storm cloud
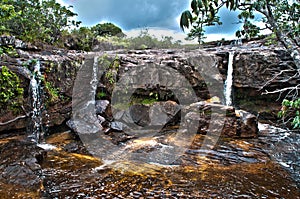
x,y
130,14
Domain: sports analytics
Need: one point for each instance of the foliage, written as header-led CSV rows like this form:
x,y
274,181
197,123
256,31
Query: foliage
x,y
280,16
81,39
271,39
101,95
111,67
291,110
203,14
115,41
52,91
9,50
147,41
11,94
35,20
107,29
85,38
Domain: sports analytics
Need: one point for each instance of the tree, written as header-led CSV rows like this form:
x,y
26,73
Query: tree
x,y
81,39
107,29
282,17
203,14
33,20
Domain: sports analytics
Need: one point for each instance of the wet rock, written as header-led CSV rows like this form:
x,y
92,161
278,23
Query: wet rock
x,y
161,113
220,120
59,69
20,167
248,124
253,66
151,115
85,127
101,106
117,126
139,114
101,119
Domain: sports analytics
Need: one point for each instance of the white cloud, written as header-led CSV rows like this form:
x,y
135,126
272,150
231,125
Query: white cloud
x,y
159,33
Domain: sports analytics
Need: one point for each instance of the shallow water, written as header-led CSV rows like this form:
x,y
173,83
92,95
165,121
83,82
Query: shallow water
x,y
266,167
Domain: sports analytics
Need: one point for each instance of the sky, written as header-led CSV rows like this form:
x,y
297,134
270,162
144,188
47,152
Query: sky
x,y
160,17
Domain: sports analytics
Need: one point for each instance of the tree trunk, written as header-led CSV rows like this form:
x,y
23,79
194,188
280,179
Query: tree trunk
x,y
284,38
291,46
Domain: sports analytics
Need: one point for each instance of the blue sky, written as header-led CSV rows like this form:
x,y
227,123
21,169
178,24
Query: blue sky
x,y
160,16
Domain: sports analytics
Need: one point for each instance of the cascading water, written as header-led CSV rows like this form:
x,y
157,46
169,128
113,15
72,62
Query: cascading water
x,y
37,130
229,81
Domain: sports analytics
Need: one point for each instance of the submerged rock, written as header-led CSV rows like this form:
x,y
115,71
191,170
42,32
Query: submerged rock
x,y
20,170
101,106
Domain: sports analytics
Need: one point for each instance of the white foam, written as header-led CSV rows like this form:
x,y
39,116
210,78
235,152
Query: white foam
x,y
106,164
47,147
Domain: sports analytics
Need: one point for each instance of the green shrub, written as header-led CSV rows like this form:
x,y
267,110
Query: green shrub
x,y
290,111
11,94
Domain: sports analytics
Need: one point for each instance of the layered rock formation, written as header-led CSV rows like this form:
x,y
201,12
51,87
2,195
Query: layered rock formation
x,y
59,69
182,76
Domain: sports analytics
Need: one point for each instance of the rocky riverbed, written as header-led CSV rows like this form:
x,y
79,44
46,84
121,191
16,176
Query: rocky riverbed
x,y
148,124
233,169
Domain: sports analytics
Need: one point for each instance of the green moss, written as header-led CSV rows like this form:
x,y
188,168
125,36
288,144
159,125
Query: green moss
x,y
9,50
101,95
52,91
148,101
11,94
111,65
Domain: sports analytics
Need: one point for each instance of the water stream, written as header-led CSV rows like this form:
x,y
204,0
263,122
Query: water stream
x,y
36,128
234,168
229,80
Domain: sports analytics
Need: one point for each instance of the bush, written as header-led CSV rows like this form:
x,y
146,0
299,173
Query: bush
x,y
35,20
107,29
11,94
290,111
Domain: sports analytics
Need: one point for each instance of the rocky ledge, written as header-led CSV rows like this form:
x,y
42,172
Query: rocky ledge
x,y
182,76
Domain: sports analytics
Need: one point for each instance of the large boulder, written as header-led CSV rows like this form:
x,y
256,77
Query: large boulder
x,y
220,120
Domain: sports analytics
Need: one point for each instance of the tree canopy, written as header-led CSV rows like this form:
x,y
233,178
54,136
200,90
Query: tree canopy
x,y
107,29
282,17
35,20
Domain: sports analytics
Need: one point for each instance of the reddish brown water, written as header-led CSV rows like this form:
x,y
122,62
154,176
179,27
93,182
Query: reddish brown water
x,y
234,169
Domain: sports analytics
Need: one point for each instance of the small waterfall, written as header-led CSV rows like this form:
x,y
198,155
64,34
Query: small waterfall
x,y
229,81
37,130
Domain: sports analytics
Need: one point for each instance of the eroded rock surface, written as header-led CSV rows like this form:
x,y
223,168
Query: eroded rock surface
x,y
180,75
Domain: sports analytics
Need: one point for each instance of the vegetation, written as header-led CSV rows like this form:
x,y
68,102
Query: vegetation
x,y
280,16
290,111
11,94
145,41
107,29
85,39
35,20
52,92
51,23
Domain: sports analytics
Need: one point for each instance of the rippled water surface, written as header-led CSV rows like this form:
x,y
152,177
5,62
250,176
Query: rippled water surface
x,y
266,167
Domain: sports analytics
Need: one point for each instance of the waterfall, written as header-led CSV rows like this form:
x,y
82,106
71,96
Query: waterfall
x,y
229,81
37,130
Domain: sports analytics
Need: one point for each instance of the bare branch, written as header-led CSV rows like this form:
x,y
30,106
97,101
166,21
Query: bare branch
x,y
289,89
13,120
17,118
284,79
